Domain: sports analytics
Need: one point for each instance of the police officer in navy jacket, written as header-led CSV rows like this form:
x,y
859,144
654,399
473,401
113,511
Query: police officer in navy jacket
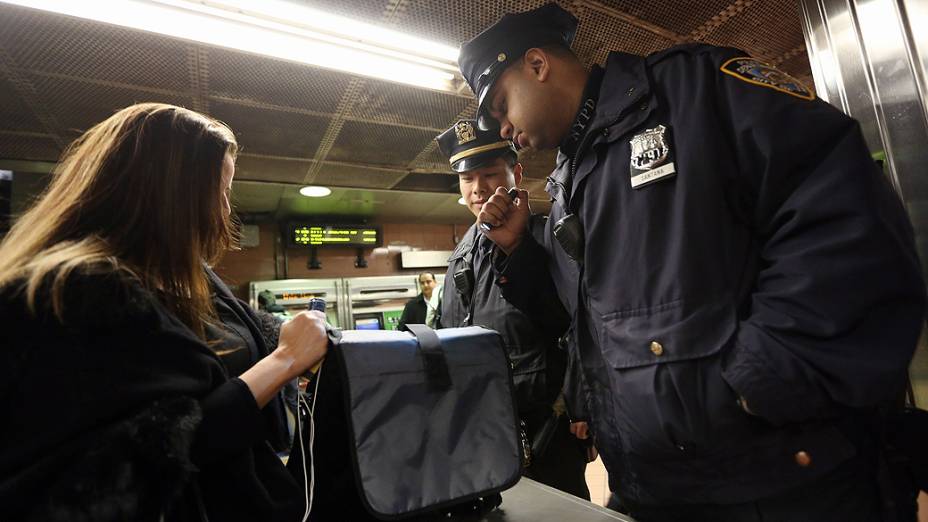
x,y
741,278
472,296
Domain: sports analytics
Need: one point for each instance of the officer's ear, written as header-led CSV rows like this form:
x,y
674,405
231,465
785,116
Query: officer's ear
x,y
538,63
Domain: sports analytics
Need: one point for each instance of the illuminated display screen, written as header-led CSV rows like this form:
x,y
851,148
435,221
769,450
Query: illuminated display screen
x,y
299,295
350,236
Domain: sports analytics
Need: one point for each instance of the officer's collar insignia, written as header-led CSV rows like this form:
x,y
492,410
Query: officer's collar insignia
x,y
465,132
650,151
750,70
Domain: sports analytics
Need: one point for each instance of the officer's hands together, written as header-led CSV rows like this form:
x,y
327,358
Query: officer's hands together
x,y
508,217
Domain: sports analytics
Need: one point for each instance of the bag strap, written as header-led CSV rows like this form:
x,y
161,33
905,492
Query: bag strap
x,y
433,357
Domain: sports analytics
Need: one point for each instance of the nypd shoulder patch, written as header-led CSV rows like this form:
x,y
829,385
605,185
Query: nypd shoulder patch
x,y
753,71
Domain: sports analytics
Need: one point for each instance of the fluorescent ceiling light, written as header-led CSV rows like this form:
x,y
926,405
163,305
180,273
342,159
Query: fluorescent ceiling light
x,y
315,191
281,30
461,201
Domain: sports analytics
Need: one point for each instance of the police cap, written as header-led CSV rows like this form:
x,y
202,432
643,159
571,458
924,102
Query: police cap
x,y
468,148
488,54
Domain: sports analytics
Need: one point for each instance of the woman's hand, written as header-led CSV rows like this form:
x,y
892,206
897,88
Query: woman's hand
x,y
303,343
303,340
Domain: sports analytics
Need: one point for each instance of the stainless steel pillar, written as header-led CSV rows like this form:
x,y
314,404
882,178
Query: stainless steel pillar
x,y
869,58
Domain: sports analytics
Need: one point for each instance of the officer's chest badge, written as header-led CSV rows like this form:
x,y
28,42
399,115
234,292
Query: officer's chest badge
x,y
749,70
465,132
650,152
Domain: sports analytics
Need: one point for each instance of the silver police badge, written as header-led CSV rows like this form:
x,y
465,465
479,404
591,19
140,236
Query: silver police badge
x,y
650,151
465,132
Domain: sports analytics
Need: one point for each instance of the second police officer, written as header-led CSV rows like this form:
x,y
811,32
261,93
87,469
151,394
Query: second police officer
x,y
741,278
484,162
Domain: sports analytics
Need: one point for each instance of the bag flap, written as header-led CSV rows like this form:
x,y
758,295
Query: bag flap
x,y
418,447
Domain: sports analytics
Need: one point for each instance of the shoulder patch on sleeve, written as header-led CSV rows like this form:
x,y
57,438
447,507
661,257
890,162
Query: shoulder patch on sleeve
x,y
749,70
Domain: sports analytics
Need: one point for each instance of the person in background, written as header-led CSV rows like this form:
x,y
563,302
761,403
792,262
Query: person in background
x,y
268,303
485,163
743,285
115,400
425,307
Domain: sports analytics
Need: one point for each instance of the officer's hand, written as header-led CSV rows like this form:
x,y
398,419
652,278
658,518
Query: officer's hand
x,y
580,430
509,218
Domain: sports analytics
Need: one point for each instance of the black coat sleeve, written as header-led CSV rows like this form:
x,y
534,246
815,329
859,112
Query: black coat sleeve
x,y
525,282
232,423
575,391
407,315
838,300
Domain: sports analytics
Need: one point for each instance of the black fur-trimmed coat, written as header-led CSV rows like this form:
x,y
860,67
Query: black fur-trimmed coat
x,y
119,412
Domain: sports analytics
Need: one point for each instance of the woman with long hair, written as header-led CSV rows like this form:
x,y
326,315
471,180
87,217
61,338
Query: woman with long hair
x,y
115,403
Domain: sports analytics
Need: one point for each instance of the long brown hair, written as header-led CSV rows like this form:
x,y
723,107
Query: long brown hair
x,y
139,193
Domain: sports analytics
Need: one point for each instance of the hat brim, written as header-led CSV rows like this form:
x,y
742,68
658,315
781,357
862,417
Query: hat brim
x,y
484,121
479,161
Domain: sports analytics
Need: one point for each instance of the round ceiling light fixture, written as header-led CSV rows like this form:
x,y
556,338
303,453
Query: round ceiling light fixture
x,y
315,191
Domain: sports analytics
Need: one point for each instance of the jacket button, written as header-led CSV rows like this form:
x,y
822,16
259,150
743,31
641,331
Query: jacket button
x,y
803,459
629,91
656,348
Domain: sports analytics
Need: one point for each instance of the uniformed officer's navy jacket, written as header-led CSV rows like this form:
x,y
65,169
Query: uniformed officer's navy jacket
x,y
531,342
777,265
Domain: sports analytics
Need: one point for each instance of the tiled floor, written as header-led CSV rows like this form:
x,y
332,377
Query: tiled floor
x,y
597,481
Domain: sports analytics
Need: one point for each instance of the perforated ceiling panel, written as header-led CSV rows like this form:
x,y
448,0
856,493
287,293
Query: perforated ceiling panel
x,y
297,123
78,104
272,131
455,21
361,177
432,159
25,147
373,143
600,32
767,30
14,113
261,168
682,19
240,77
77,48
257,197
385,102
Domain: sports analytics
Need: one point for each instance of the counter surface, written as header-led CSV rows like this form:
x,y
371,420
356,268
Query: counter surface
x,y
530,501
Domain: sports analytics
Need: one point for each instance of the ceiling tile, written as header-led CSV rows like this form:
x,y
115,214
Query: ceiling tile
x,y
395,103
14,113
276,82
69,46
272,132
429,183
13,146
671,15
350,176
79,105
378,144
254,198
271,169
